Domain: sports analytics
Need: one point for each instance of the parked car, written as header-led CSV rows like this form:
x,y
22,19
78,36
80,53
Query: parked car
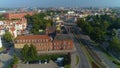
x,y
27,62
39,61
5,51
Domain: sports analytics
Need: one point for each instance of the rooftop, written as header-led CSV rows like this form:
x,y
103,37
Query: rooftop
x,y
27,37
62,37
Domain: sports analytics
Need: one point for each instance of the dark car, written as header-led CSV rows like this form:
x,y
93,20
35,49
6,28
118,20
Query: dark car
x,y
8,49
5,52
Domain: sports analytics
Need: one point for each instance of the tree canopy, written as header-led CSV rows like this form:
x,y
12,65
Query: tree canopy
x,y
97,26
115,44
38,22
8,36
29,52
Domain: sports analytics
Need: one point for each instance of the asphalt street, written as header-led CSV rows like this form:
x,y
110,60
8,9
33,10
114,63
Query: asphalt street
x,y
84,63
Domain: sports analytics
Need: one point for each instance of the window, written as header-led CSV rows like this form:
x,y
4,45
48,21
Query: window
x,y
46,40
64,43
20,40
26,41
38,40
32,40
57,43
43,40
23,41
17,41
68,43
54,47
35,41
29,41
68,47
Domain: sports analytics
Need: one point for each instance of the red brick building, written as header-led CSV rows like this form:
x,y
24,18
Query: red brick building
x,y
41,42
62,42
16,15
44,42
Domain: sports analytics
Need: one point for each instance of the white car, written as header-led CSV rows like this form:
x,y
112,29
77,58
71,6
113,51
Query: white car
x,y
39,61
61,67
46,61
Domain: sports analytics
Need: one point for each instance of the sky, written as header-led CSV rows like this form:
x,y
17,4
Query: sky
x,y
59,3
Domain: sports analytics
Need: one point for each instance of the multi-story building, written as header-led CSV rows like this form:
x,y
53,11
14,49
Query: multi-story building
x,y
41,42
15,27
62,42
17,15
44,42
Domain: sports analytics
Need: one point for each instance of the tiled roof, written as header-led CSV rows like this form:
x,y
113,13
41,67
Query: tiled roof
x,y
12,29
28,37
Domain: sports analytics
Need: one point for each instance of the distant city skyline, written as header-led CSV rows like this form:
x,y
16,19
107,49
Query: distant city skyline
x,y
59,3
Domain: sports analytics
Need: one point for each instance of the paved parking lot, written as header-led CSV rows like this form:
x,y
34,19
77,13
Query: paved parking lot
x,y
5,60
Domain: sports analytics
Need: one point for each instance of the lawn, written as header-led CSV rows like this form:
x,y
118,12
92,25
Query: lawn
x,y
1,49
77,59
67,66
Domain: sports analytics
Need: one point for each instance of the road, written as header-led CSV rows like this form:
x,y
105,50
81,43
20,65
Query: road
x,y
6,58
97,55
83,59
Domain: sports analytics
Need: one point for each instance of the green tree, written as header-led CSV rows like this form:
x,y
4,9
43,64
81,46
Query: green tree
x,y
25,51
29,18
15,59
115,44
113,32
38,22
32,52
81,22
97,35
8,36
95,26
105,25
88,28
29,53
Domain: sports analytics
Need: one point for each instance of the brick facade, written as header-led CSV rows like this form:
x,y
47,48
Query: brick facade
x,y
16,15
43,43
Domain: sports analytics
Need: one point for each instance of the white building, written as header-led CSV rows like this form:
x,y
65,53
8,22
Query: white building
x,y
0,42
2,31
71,12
